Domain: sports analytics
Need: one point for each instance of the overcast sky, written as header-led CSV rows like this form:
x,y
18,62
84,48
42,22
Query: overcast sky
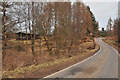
x,y
103,10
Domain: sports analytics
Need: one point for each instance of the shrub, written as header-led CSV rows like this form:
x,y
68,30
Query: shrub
x,y
19,47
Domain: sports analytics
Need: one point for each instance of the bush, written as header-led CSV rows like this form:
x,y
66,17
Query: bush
x,y
103,35
19,48
91,38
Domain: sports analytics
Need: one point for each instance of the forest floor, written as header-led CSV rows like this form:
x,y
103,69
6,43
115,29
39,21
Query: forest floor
x,y
19,63
112,41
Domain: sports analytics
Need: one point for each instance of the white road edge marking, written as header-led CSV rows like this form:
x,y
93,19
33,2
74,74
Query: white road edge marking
x,y
74,64
112,48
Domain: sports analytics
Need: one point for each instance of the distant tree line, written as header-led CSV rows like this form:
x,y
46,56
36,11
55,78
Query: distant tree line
x,y
113,28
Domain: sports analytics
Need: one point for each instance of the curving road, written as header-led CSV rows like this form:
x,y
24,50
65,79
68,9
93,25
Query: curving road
x,y
104,64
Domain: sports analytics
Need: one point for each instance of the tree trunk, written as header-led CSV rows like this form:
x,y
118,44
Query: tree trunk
x,y
29,22
4,32
26,27
33,30
40,45
47,45
56,51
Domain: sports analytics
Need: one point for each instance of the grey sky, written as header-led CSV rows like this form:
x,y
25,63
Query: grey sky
x,y
103,10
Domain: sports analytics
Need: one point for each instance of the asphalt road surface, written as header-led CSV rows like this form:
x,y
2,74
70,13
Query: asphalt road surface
x,y
104,64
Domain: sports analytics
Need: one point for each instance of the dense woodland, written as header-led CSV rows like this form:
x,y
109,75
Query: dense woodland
x,y
64,22
39,32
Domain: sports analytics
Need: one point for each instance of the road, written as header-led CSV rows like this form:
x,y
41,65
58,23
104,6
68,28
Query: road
x,y
104,64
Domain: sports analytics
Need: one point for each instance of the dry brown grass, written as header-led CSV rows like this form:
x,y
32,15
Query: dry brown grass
x,y
112,41
19,64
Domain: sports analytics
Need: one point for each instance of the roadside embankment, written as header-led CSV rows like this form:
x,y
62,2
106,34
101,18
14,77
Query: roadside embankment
x,y
87,49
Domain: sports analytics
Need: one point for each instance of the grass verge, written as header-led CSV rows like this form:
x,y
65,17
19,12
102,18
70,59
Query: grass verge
x,y
112,43
42,70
